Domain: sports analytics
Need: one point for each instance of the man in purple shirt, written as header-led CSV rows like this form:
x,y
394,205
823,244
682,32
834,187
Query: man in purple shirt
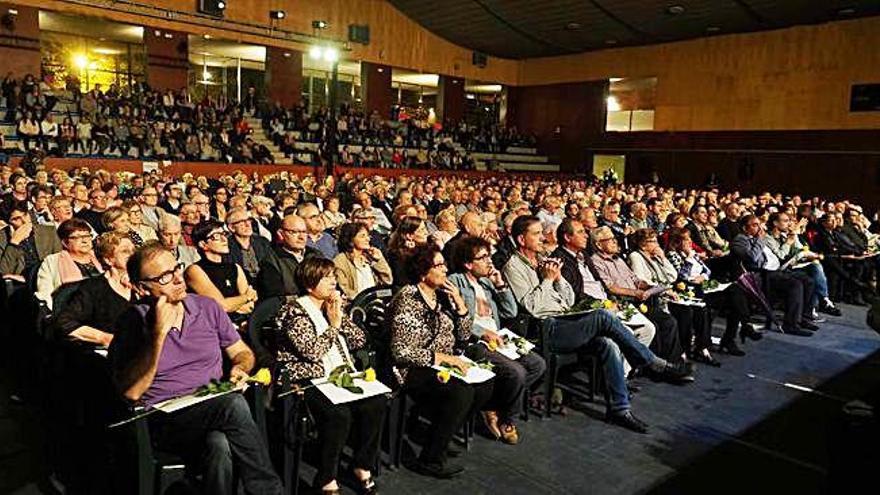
x,y
171,346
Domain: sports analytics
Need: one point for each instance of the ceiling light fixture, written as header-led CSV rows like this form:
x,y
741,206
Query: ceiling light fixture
x,y
610,42
319,25
846,11
573,26
675,9
713,29
277,14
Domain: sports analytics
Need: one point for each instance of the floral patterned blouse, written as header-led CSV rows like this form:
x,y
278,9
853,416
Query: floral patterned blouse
x,y
417,331
301,349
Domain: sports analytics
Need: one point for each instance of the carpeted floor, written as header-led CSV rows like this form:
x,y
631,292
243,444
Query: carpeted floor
x,y
737,429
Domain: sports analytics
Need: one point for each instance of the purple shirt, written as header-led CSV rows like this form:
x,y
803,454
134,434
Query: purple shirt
x,y
191,357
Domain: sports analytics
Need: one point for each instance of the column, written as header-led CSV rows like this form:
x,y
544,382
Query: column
x,y
167,58
376,91
450,99
284,77
19,40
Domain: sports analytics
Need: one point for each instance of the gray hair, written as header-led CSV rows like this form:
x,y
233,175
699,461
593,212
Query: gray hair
x,y
596,233
168,222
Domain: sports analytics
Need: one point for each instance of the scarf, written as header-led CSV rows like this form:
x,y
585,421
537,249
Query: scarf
x,y
69,272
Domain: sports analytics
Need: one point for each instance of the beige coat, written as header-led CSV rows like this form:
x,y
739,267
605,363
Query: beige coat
x,y
346,274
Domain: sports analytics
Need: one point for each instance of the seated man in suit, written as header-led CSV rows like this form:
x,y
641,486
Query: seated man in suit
x,y
796,290
171,344
277,275
22,243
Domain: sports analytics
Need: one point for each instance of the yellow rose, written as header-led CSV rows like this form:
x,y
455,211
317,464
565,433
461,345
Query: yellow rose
x,y
643,308
443,376
805,249
263,377
369,375
680,286
493,345
608,304
690,293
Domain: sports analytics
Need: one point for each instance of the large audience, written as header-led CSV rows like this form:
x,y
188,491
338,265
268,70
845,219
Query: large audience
x,y
166,272
140,122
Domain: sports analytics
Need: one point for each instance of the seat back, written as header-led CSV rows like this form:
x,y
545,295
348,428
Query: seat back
x,y
369,312
261,330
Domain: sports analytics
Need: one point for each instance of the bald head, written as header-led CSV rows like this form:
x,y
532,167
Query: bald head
x,y
293,233
472,224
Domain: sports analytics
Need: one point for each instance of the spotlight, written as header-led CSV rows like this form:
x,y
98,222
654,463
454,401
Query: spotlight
x,y
221,5
315,52
330,54
80,61
319,25
277,14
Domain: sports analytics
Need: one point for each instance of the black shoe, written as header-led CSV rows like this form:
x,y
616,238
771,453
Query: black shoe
x,y
829,309
679,372
731,349
435,470
628,421
705,359
797,331
746,330
808,325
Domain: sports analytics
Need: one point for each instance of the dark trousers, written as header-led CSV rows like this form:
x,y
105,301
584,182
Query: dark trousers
x,y
693,326
512,379
362,420
790,289
735,302
448,406
666,343
214,435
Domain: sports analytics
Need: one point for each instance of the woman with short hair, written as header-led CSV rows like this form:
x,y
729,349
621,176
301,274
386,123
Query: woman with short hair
x,y
359,266
316,336
74,262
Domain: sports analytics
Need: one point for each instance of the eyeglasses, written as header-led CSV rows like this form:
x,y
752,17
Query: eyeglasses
x,y
18,218
80,237
217,236
165,278
438,265
135,211
606,239
483,257
294,231
238,222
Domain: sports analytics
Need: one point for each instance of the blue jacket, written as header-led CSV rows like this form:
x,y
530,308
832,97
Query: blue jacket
x,y
502,302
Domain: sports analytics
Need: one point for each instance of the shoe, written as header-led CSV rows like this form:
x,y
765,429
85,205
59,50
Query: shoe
x,y
706,358
797,331
490,419
747,330
814,317
435,470
829,308
626,420
509,435
808,325
679,372
367,487
731,349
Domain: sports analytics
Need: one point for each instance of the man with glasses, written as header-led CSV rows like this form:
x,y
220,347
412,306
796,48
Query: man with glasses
x,y
60,209
620,281
489,299
172,201
97,206
190,218
170,232
39,197
278,271
246,249
203,205
318,238
170,344
540,289
149,199
22,244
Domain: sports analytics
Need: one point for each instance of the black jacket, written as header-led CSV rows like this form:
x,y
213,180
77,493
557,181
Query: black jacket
x,y
262,249
278,273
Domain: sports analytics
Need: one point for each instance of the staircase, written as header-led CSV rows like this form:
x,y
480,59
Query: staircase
x,y
259,136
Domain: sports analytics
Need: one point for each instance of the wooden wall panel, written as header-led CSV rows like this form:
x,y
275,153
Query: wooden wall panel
x,y
796,78
376,91
284,77
20,47
450,99
395,39
167,59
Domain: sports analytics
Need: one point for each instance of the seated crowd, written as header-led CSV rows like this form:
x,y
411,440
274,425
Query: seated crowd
x,y
144,123
166,271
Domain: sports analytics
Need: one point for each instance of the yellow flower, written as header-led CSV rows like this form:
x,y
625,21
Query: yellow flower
x,y
443,376
369,375
493,345
608,304
680,286
690,293
643,308
263,377
805,248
